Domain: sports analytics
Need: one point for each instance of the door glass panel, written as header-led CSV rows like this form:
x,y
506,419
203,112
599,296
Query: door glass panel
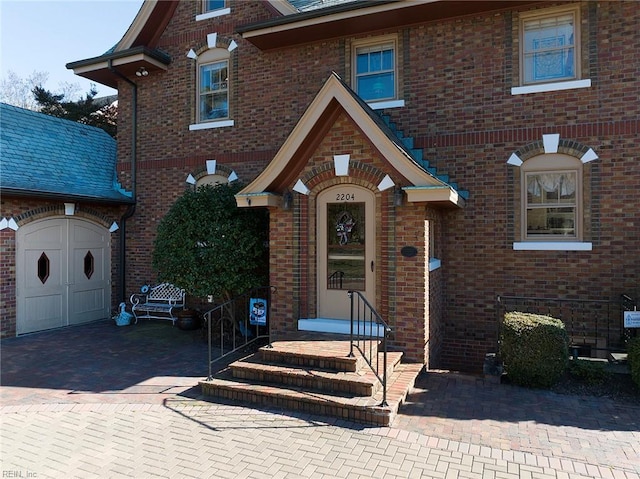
x,y
346,246
43,268
88,265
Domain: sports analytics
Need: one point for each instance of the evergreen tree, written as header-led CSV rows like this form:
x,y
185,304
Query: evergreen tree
x,y
90,111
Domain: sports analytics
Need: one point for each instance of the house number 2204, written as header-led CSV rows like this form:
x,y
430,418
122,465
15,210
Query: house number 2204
x,y
345,197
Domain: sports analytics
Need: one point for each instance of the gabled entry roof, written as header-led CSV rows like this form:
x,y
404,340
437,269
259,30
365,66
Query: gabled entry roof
x,y
333,98
48,157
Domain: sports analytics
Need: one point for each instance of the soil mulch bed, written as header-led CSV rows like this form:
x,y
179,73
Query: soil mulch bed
x,y
618,387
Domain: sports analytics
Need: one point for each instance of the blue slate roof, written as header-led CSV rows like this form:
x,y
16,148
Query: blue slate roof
x,y
42,155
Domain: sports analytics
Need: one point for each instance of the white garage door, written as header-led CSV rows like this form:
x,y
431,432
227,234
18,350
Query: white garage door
x,y
62,275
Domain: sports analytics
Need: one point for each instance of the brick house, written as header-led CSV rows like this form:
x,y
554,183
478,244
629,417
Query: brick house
x,y
437,155
61,209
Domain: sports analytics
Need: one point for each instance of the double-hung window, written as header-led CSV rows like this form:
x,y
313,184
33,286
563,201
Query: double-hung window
x,y
552,209
213,91
552,198
375,75
549,50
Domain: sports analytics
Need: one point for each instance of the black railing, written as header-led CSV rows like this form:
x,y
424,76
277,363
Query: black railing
x,y
595,327
335,280
368,332
237,323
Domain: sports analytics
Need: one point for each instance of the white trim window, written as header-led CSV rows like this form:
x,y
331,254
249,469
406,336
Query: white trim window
x,y
213,5
375,70
549,49
551,204
213,8
213,91
552,198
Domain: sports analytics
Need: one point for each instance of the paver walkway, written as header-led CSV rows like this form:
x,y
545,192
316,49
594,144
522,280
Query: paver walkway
x,y
98,401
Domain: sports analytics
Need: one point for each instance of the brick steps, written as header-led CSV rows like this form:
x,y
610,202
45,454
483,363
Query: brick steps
x,y
315,377
359,383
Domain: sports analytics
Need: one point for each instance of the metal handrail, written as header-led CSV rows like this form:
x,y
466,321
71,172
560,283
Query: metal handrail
x,y
232,318
364,320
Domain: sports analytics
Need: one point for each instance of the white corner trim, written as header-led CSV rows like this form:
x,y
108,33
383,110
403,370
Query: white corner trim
x,y
434,263
552,246
341,164
514,160
551,142
589,156
381,105
12,224
211,124
565,85
213,14
4,224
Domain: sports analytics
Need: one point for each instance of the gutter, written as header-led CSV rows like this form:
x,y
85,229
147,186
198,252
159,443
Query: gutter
x,y
22,193
132,208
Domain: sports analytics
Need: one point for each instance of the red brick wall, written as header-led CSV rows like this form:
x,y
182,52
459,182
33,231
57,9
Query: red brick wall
x,y
457,77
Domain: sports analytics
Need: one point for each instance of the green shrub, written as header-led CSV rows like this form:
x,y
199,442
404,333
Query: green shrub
x,y
534,349
591,372
207,245
633,357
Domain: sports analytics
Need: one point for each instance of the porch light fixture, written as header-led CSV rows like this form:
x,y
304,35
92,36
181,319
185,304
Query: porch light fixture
x,y
398,197
142,72
287,200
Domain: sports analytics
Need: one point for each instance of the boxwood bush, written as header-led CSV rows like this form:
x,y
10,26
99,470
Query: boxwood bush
x,y
633,357
534,349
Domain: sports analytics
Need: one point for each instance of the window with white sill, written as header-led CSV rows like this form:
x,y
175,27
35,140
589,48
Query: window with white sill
x,y
212,90
213,8
550,51
553,204
375,71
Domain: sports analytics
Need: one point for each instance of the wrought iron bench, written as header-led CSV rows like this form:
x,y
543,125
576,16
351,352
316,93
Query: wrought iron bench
x,y
158,302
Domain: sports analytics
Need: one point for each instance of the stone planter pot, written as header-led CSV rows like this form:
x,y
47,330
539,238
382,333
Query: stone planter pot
x,y
188,319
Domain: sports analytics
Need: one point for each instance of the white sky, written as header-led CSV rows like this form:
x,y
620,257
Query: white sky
x,y
45,35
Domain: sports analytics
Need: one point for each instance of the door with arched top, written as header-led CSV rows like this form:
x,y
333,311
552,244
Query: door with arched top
x,y
346,248
63,268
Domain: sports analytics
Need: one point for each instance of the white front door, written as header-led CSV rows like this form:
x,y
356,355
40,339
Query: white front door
x,y
346,248
62,275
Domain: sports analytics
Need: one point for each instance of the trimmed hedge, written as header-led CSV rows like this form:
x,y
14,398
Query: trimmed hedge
x,y
633,357
534,349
